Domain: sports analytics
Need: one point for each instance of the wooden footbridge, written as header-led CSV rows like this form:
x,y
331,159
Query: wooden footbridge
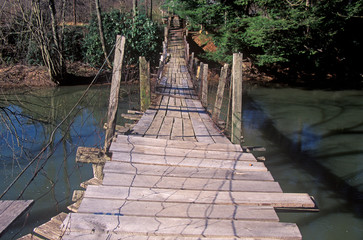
x,y
176,176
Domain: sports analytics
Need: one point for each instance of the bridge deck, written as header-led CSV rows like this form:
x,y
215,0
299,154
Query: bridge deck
x,y
179,177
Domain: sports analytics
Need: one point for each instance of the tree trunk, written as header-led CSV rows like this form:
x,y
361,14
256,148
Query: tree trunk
x,y
134,7
74,13
100,29
151,10
56,39
52,58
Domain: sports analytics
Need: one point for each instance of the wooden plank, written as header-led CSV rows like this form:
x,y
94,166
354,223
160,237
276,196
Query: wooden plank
x,y
128,236
155,126
91,155
179,210
135,140
177,129
165,129
200,130
144,123
52,230
213,130
10,210
188,161
129,116
181,227
92,181
30,236
181,152
190,172
188,132
115,179
281,200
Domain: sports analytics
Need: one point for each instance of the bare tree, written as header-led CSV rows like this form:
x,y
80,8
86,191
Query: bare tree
x,y
51,49
100,28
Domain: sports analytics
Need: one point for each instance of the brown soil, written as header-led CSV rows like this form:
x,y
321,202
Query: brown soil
x,y
22,75
37,76
206,44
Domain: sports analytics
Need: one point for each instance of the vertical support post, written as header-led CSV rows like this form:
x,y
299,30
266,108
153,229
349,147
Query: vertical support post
x,y
220,92
205,86
187,54
191,63
114,92
199,76
237,98
166,30
145,94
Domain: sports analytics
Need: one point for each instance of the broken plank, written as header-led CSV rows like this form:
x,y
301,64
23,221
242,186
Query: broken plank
x,y
131,116
52,230
91,155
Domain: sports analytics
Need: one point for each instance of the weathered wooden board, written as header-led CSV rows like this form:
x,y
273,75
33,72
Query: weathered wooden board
x,y
178,144
30,236
10,210
188,132
191,172
129,236
115,179
52,230
181,227
144,123
281,200
181,152
179,210
177,130
165,129
188,161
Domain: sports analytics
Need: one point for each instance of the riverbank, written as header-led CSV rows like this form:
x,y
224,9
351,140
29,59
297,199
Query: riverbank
x,y
20,75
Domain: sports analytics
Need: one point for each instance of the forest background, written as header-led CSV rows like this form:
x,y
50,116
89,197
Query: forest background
x,y
311,42
68,38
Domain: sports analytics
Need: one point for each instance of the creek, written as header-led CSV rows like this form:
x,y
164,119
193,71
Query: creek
x,y
313,142
28,118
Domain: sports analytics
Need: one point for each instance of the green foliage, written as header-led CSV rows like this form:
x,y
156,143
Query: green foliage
x,y
142,37
72,43
322,36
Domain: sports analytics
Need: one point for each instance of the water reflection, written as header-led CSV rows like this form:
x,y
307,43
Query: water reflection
x,y
314,143
28,120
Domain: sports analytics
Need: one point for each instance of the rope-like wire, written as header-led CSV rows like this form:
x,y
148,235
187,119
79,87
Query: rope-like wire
x,y
55,129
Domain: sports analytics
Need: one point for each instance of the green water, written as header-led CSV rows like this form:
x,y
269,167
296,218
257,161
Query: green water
x,y
314,145
28,118
313,141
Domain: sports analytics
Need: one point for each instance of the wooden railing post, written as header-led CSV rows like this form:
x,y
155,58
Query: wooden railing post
x,y
237,98
145,94
114,92
199,75
191,63
204,82
220,92
166,31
